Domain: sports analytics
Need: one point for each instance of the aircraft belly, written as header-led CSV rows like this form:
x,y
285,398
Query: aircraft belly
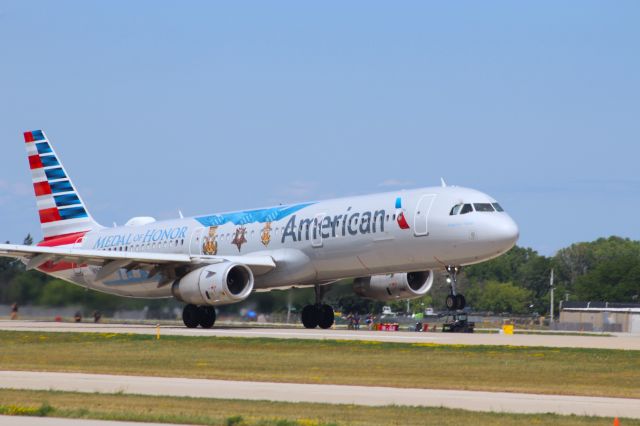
x,y
134,283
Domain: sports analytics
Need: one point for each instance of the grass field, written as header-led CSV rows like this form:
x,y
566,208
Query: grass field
x,y
235,412
506,368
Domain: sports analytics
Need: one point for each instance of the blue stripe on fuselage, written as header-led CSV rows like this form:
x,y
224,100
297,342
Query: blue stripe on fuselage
x,y
249,216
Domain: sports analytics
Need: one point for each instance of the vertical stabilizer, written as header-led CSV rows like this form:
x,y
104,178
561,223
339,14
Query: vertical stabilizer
x,y
62,211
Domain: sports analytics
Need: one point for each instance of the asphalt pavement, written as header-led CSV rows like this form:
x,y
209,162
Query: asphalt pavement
x,y
618,341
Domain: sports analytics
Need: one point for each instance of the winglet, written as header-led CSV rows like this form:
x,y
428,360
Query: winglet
x,y
443,183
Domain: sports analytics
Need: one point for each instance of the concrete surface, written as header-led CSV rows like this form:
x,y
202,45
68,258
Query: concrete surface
x,y
332,394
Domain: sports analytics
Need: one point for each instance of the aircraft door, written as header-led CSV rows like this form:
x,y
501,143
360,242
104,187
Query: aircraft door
x,y
197,239
421,217
316,232
77,268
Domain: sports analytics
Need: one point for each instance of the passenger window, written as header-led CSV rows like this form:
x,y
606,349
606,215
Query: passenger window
x,y
498,207
455,210
467,208
483,207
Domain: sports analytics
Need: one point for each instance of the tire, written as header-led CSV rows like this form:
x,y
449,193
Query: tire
x,y
190,316
460,301
310,316
326,317
206,316
452,302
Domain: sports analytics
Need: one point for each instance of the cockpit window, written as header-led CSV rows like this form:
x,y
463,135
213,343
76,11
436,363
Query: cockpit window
x,y
483,207
498,207
455,210
467,208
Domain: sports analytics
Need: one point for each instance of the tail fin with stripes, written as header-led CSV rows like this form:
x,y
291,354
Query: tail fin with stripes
x,y
62,211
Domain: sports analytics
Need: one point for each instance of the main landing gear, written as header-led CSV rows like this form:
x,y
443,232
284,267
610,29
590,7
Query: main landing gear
x,y
203,316
319,314
454,300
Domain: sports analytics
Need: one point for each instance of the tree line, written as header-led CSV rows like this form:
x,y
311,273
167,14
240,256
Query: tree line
x,y
607,269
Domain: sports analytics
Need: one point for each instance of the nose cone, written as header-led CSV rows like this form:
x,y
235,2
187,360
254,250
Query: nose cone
x,y
504,233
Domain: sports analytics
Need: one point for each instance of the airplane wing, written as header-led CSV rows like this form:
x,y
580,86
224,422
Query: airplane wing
x,y
111,261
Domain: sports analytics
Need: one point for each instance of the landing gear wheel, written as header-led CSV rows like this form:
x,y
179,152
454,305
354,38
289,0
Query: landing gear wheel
x,y
191,316
311,316
326,316
460,301
206,316
452,302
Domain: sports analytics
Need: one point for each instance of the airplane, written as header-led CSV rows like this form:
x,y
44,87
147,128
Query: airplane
x,y
390,244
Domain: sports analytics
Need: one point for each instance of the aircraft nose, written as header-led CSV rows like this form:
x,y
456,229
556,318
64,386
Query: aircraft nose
x,y
505,232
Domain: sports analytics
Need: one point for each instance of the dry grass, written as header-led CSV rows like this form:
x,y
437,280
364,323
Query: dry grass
x,y
516,369
228,412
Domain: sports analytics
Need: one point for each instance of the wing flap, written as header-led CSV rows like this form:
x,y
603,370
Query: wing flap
x,y
36,256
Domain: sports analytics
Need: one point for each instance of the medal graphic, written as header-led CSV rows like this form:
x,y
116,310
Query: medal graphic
x,y
265,236
239,238
210,243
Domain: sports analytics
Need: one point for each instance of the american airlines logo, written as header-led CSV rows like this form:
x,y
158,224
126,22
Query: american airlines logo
x,y
339,225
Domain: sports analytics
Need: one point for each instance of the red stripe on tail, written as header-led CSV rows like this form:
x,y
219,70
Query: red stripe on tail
x,y
49,215
62,240
28,137
35,162
42,188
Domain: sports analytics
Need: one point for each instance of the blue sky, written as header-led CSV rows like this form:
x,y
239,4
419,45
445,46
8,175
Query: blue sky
x,y
208,106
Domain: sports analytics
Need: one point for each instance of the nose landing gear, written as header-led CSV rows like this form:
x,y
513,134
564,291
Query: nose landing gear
x,y
455,300
319,314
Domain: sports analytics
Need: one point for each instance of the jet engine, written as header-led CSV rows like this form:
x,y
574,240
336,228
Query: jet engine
x,y
403,286
219,284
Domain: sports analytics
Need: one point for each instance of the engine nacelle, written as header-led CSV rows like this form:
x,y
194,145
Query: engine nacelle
x,y
219,284
404,286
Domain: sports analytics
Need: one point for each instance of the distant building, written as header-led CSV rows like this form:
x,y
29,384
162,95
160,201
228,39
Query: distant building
x,y
599,316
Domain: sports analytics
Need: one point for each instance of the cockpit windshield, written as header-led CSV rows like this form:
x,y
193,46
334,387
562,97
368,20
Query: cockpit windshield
x,y
483,207
478,207
467,208
455,210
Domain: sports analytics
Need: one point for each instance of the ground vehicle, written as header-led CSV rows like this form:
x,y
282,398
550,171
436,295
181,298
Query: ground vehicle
x,y
457,323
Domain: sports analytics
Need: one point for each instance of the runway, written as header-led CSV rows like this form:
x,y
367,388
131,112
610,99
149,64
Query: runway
x,y
332,394
627,342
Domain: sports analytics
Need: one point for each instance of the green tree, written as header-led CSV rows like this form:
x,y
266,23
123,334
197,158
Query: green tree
x,y
60,293
605,269
523,267
499,297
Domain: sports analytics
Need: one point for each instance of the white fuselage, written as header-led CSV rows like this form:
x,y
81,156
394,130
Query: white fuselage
x,y
315,243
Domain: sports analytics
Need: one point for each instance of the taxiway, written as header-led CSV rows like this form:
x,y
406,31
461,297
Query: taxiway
x,y
620,341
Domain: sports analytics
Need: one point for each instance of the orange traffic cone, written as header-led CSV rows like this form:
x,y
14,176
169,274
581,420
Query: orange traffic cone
x,y
616,422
